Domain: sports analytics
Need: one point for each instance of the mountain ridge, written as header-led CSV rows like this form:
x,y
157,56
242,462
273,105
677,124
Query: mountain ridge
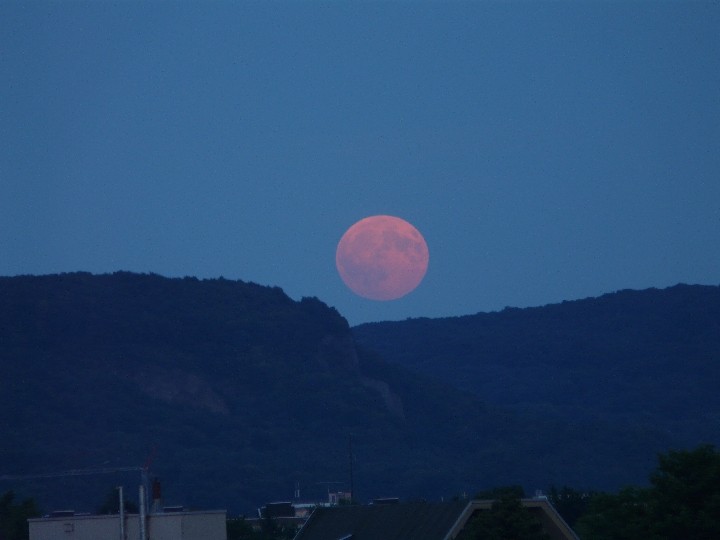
x,y
661,345
245,393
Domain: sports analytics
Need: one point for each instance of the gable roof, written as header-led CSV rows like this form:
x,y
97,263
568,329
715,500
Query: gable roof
x,y
552,522
415,520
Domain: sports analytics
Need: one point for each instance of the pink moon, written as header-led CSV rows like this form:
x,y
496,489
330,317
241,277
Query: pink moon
x,y
382,258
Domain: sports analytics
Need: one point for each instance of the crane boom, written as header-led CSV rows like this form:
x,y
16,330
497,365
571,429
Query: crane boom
x,y
72,472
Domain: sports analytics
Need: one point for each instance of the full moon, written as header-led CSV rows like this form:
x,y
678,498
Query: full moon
x,y
382,257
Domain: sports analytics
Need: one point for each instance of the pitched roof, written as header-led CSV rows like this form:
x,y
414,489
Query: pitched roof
x,y
416,520
552,522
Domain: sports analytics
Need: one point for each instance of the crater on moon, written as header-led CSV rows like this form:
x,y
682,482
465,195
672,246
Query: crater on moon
x,y
382,257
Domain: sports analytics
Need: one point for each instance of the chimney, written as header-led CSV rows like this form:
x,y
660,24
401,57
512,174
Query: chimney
x,y
156,497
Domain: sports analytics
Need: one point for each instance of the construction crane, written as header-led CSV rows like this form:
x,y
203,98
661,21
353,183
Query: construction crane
x,y
86,472
76,472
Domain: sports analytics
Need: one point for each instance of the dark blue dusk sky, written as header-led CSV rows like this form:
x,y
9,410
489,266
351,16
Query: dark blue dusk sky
x,y
547,151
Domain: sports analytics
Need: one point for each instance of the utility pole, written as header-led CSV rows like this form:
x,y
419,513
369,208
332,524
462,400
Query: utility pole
x,y
352,480
143,513
121,512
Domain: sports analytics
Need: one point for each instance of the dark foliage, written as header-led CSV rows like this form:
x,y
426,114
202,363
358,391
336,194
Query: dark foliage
x,y
506,520
685,494
570,503
239,529
622,516
14,516
682,502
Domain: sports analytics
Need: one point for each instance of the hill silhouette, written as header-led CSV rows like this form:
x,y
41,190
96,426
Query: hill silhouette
x,y
646,360
234,394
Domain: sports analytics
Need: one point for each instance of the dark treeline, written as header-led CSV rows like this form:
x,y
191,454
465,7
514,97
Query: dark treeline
x,y
681,501
14,515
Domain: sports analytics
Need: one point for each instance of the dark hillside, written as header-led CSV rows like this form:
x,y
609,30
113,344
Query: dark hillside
x,y
242,392
647,360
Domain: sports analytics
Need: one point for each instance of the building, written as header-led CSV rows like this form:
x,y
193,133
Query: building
x,y
416,521
293,515
168,525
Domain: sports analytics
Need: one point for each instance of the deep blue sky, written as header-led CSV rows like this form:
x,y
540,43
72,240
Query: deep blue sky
x,y
547,151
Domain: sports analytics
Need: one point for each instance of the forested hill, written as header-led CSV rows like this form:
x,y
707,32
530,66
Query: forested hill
x,y
214,378
234,394
648,359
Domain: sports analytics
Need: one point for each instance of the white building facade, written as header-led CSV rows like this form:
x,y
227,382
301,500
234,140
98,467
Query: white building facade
x,y
207,525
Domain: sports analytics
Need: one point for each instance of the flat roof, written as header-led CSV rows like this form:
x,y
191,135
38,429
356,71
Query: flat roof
x,y
79,515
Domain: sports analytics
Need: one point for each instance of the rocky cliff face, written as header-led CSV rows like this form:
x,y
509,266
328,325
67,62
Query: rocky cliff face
x,y
179,388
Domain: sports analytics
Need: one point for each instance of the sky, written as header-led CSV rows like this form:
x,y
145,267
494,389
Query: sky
x,y
547,151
